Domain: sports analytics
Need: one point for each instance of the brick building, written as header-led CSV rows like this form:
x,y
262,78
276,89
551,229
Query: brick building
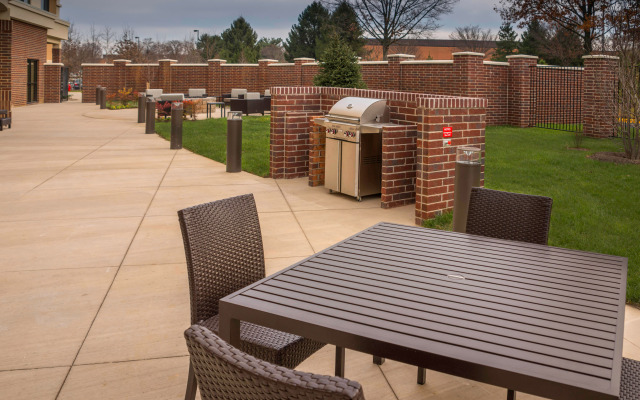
x,y
423,49
30,35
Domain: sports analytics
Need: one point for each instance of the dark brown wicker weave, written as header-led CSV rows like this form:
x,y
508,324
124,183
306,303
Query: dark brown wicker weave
x,y
510,216
630,381
223,247
225,372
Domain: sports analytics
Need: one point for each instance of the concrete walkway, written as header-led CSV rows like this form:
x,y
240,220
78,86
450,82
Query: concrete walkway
x,y
93,286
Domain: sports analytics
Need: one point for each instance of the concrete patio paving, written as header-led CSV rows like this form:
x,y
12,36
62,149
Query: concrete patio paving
x,y
93,286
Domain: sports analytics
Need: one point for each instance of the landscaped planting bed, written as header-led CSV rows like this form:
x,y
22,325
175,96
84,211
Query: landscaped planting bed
x,y
595,203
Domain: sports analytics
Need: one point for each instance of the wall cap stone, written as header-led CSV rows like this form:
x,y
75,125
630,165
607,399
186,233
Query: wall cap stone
x,y
521,56
189,65
168,60
401,55
143,65
601,56
282,64
54,64
311,63
123,60
373,62
468,53
496,63
415,62
267,60
95,65
557,67
217,60
304,59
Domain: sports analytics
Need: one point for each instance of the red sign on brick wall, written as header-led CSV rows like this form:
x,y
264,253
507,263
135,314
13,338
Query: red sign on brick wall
x,y
447,132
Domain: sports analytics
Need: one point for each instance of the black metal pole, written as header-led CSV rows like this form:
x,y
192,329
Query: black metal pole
x,y
142,104
98,88
176,125
151,117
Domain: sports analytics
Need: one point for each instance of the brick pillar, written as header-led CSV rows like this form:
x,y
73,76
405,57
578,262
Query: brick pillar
x,y
317,148
164,75
214,77
298,68
395,70
6,28
263,74
56,58
520,89
469,67
398,180
52,81
436,162
599,85
119,77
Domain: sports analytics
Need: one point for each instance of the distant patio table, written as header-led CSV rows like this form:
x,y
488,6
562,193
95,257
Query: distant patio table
x,y
537,319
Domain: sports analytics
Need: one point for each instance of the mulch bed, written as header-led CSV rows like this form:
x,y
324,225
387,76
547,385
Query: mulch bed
x,y
618,158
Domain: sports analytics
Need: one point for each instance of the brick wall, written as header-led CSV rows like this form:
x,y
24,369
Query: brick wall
x,y
415,165
52,72
28,42
6,37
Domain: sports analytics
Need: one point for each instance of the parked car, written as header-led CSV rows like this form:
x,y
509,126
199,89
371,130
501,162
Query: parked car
x,y
77,84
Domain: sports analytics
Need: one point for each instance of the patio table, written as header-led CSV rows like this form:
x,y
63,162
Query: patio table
x,y
532,318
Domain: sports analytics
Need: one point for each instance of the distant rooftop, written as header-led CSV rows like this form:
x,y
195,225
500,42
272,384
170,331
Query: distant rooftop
x,y
432,43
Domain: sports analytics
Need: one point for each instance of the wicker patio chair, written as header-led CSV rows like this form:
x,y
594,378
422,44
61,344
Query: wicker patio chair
x,y
630,380
223,247
225,372
511,216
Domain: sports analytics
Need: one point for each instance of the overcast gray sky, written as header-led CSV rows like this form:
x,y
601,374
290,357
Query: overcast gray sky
x,y
176,19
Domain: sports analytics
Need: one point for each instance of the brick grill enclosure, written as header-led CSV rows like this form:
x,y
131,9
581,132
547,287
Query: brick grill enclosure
x,y
415,165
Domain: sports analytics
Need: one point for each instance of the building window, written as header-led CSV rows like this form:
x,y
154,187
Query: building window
x,y
45,5
32,81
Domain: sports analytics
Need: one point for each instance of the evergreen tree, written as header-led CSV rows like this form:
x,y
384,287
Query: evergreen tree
x,y
303,35
344,23
239,43
507,42
339,66
532,41
209,46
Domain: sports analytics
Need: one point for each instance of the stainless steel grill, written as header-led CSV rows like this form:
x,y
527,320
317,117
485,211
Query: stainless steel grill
x,y
353,158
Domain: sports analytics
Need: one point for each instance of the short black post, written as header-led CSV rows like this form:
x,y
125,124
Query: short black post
x,y
468,167
176,125
103,98
234,142
98,88
151,117
142,104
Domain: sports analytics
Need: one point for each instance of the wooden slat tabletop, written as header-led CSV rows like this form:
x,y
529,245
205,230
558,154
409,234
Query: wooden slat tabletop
x,y
536,319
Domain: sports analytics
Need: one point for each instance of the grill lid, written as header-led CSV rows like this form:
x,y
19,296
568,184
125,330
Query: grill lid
x,y
358,110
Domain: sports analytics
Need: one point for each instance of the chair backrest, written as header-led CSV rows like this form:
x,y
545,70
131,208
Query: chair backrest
x,y
197,92
236,92
512,216
224,372
223,248
252,96
630,380
155,93
172,97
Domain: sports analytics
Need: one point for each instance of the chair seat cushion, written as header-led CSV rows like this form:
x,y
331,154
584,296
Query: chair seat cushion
x,y
270,345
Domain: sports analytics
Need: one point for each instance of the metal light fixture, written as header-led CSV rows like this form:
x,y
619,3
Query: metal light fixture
x,y
197,31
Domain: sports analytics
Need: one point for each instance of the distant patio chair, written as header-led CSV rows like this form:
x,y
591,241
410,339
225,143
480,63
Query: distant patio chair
x,y
224,372
197,93
223,247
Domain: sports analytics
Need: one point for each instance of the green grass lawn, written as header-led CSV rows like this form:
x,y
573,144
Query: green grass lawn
x,y
596,204
209,138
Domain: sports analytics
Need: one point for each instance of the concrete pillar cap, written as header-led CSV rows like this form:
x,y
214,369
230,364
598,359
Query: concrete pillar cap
x,y
168,60
401,56
127,61
53,64
217,60
304,59
601,56
521,56
267,60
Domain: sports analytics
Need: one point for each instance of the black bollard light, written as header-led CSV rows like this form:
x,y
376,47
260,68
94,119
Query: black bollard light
x,y
103,98
98,88
142,107
468,166
234,141
151,117
176,125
